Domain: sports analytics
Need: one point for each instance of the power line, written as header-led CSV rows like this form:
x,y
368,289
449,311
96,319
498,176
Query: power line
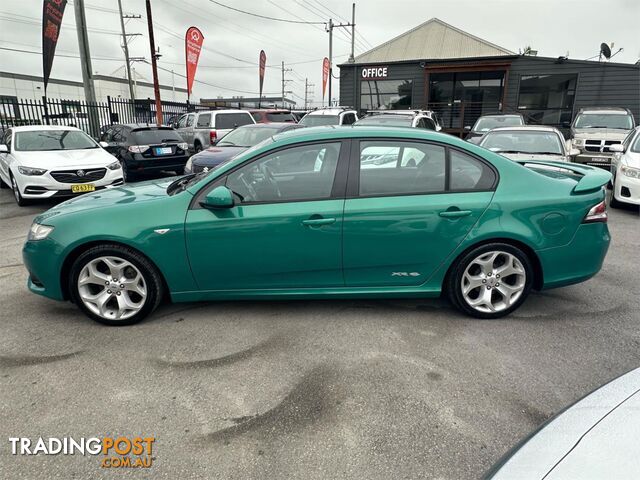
x,y
266,17
108,59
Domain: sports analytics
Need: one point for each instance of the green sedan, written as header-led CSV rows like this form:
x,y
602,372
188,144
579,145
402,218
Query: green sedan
x,y
328,212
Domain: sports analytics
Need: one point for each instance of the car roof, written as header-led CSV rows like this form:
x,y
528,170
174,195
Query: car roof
x,y
500,115
334,132
270,110
140,125
605,110
526,128
271,125
227,110
31,128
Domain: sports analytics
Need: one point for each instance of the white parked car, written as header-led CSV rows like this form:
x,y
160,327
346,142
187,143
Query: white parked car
x,y
329,116
528,143
625,168
44,161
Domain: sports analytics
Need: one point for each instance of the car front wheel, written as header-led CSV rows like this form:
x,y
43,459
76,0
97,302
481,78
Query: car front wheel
x,y
490,281
20,200
115,285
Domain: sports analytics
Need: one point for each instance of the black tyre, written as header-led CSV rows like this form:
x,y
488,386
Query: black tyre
x,y
115,285
613,203
3,185
490,281
20,200
197,147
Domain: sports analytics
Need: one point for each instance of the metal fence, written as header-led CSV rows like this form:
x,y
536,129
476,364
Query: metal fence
x,y
90,117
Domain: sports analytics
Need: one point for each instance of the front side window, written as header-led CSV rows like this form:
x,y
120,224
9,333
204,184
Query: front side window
x,y
190,119
401,168
182,122
295,174
604,120
204,120
48,140
635,147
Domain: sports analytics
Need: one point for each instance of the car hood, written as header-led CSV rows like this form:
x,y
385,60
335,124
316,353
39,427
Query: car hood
x,y
599,133
124,195
533,156
65,159
215,155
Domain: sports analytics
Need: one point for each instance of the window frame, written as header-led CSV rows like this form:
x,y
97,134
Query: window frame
x,y
353,178
338,189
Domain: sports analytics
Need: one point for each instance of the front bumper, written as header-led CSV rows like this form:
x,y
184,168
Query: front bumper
x,y
40,259
602,160
627,189
45,186
577,261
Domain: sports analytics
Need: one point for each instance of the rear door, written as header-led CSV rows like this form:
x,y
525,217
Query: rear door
x,y
225,122
409,205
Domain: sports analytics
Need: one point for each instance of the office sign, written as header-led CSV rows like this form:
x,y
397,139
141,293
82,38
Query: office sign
x,y
52,11
374,73
192,46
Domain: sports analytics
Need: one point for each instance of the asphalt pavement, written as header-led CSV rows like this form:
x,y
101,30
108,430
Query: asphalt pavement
x,y
387,389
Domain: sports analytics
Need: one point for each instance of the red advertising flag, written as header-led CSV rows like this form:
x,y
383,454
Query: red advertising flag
x,y
192,46
262,68
325,74
52,11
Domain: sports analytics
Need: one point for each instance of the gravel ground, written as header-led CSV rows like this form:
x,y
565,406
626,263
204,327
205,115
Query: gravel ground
x,y
323,389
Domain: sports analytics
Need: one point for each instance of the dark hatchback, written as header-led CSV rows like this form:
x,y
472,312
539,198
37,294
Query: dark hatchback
x,y
146,149
233,143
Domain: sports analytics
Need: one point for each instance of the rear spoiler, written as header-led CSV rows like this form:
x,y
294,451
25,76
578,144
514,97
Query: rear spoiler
x,y
592,177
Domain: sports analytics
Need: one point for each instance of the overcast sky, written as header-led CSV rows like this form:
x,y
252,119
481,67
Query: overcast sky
x,y
233,40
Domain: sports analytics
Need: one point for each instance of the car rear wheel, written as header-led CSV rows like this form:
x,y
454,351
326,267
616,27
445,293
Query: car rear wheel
x,y
490,281
197,147
115,285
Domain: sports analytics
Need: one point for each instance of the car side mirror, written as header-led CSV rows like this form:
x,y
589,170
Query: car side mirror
x,y
616,148
467,128
218,198
4,149
573,152
104,144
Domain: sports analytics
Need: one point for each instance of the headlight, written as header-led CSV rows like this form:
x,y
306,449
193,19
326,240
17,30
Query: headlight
x,y
630,172
577,142
114,166
31,171
183,146
189,164
39,232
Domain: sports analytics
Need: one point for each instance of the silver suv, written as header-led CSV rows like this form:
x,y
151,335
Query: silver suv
x,y
425,119
594,130
203,129
329,116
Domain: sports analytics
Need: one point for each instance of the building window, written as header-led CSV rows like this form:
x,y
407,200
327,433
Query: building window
x,y
547,99
386,94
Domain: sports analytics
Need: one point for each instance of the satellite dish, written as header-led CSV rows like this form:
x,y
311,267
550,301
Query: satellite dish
x,y
605,51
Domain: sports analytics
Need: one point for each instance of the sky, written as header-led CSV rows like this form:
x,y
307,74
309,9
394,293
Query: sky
x,y
233,40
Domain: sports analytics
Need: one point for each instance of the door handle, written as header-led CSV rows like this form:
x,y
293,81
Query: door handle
x,y
455,213
318,222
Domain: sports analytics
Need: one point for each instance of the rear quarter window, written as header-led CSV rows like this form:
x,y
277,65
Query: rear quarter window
x,y
232,120
468,173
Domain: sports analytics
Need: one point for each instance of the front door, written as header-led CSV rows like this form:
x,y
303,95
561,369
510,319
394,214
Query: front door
x,y
411,206
285,230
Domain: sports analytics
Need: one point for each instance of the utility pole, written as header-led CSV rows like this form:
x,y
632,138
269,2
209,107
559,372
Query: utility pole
x,y
329,28
352,57
284,82
125,47
307,86
154,66
87,71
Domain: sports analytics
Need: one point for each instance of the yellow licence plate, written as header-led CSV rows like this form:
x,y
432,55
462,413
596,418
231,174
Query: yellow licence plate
x,y
84,187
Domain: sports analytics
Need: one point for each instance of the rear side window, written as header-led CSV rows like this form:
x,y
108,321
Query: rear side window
x,y
147,136
232,120
468,173
401,168
204,120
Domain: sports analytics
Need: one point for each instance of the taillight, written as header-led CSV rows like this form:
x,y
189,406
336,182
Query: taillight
x,y
598,213
138,148
213,137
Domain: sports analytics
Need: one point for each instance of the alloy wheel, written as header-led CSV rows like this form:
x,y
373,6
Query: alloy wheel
x,y
493,281
112,288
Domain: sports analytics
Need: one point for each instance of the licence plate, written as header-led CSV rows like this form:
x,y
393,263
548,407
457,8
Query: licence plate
x,y
163,151
83,187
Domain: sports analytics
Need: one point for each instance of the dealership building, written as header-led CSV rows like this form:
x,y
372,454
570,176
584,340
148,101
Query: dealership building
x,y
439,67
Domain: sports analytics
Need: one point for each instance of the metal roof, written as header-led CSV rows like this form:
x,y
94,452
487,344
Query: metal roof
x,y
434,39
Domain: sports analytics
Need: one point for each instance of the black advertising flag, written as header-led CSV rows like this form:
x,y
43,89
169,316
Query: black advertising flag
x,y
52,11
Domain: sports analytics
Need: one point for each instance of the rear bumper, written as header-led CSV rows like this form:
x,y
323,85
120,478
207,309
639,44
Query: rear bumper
x,y
577,261
138,163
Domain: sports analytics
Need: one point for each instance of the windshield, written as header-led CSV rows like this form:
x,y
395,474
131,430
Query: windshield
x,y
151,136
280,117
46,140
523,142
485,124
320,120
604,120
387,120
247,136
635,147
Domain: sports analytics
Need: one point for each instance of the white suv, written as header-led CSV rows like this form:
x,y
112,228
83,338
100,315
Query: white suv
x,y
329,116
203,129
